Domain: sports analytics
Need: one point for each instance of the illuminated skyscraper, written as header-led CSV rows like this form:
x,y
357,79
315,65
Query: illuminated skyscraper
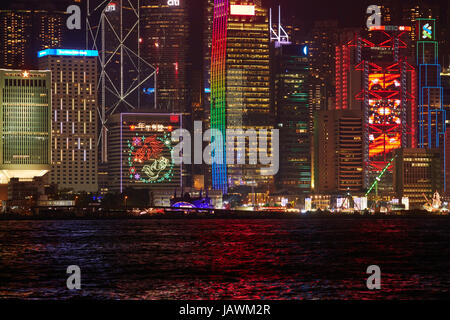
x,y
74,117
432,115
164,44
292,101
240,88
114,30
23,32
208,16
25,124
374,74
445,77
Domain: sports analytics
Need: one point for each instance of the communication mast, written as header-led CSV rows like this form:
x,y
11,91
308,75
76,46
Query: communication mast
x,y
280,36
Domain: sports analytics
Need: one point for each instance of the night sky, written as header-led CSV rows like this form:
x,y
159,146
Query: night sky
x,y
350,13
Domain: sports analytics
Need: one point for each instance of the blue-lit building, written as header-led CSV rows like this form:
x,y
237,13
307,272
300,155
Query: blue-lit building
x,y
74,117
431,111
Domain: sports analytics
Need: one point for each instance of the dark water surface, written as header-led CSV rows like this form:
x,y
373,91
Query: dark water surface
x,y
306,258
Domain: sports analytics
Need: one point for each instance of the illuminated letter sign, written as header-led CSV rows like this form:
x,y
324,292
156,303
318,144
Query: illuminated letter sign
x,y
242,10
68,52
173,3
110,7
426,29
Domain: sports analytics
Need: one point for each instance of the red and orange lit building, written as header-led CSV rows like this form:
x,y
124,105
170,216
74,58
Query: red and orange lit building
x,y
375,74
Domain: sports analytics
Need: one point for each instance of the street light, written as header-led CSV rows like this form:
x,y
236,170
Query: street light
x,y
126,198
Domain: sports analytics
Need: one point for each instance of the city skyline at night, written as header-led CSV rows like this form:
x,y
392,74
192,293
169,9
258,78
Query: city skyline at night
x,y
222,155
221,65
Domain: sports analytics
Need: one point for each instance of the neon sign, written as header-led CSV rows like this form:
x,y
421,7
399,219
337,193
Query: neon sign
x,y
68,52
149,159
173,3
427,31
390,28
110,7
305,50
150,127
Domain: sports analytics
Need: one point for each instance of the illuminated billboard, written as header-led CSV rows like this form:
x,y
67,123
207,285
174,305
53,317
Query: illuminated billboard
x,y
145,154
426,29
149,158
68,52
242,10
384,115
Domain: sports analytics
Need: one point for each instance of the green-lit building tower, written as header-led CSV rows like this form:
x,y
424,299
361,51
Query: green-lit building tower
x,y
25,124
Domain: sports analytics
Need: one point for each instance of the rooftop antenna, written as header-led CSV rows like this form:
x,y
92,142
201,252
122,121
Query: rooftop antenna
x,y
280,35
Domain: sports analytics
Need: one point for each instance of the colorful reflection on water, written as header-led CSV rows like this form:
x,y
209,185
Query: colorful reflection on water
x,y
306,258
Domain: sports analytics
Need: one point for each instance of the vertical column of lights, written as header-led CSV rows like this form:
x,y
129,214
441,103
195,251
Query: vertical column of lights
x,y
413,108
218,100
346,68
403,97
366,141
430,114
338,77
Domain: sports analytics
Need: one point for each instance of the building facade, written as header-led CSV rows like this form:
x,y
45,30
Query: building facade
x,y
240,85
140,152
338,151
164,44
374,74
25,125
292,102
126,80
431,111
417,175
23,32
445,77
74,118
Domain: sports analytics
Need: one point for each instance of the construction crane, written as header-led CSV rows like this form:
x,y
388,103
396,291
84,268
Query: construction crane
x,y
378,178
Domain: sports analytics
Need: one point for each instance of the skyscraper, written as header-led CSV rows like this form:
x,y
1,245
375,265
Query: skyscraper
x,y
126,80
25,31
240,88
74,117
164,44
208,17
432,115
374,75
445,77
338,151
292,101
25,124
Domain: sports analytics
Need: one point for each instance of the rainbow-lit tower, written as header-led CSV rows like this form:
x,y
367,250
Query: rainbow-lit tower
x,y
240,87
218,101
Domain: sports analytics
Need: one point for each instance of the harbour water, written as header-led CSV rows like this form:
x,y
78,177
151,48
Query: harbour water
x,y
305,258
